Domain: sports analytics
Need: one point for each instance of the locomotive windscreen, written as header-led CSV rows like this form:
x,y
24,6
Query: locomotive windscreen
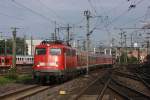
x,y
40,51
55,51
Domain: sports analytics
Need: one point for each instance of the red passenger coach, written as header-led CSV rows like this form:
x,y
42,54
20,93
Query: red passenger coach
x,y
6,60
58,60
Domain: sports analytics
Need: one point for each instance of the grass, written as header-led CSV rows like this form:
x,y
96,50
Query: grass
x,y
5,80
20,79
24,79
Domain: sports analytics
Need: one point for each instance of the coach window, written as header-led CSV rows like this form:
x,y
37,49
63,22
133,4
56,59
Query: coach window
x,y
40,51
71,51
55,51
7,60
67,52
74,53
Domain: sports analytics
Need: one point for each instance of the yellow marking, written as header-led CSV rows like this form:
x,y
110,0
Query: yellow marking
x,y
62,92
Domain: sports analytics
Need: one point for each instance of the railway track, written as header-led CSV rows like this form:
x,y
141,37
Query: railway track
x,y
127,92
134,81
30,92
143,81
145,78
97,89
135,76
23,69
122,74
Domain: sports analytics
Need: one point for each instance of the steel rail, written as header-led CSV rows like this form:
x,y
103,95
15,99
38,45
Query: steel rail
x,y
23,92
143,81
129,88
17,91
87,87
118,92
103,90
126,75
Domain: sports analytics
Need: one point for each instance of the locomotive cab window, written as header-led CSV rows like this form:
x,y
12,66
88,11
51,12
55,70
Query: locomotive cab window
x,y
40,51
55,51
2,60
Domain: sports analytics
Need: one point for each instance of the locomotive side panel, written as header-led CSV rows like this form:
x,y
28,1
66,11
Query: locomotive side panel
x,y
70,58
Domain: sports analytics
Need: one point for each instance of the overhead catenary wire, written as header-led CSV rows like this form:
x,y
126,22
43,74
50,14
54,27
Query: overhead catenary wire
x,y
90,3
105,27
10,16
96,13
101,8
32,11
134,5
79,22
94,8
58,16
109,10
134,20
95,27
125,12
115,19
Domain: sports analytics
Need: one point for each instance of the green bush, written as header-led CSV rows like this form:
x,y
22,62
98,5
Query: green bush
x,y
5,80
133,60
24,79
12,74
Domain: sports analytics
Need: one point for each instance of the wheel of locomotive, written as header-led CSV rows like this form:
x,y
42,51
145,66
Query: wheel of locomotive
x,y
43,80
52,80
58,80
36,79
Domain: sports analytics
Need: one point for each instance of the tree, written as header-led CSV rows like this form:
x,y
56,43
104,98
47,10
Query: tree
x,y
19,46
133,60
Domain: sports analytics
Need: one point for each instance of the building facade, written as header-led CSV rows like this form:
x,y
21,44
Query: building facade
x,y
31,44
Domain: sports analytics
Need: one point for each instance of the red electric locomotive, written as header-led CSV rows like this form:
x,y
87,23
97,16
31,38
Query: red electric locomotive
x,y
58,60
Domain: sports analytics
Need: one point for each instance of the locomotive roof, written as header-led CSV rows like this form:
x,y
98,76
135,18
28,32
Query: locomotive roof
x,y
54,44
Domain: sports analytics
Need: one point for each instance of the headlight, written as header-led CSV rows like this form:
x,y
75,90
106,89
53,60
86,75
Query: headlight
x,y
52,64
47,64
42,64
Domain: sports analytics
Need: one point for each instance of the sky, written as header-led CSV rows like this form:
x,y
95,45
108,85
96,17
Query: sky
x,y
37,17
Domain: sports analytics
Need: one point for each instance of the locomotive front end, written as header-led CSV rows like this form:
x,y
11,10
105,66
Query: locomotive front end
x,y
48,61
